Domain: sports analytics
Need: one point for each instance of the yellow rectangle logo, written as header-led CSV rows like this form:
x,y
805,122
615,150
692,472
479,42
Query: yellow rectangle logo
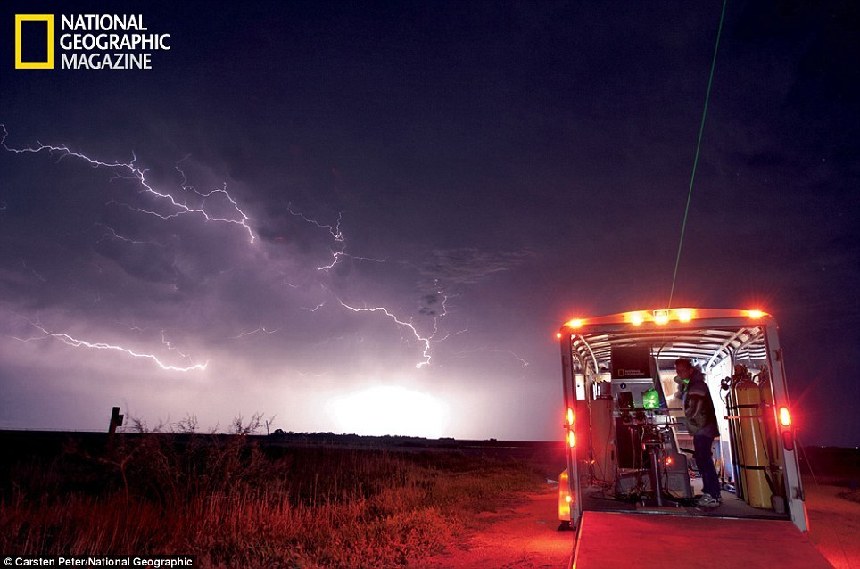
x,y
49,61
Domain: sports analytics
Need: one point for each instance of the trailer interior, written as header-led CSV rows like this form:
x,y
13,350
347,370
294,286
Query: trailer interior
x,y
629,447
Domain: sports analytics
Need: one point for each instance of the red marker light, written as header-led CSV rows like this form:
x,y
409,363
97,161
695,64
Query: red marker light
x,y
784,417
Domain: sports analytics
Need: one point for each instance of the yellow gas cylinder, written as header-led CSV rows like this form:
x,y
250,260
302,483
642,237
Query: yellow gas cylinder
x,y
752,445
732,409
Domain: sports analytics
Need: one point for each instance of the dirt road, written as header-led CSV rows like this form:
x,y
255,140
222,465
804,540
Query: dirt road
x,y
834,525
522,535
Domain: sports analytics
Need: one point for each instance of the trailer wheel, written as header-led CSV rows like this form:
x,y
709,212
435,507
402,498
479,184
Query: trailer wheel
x,y
565,526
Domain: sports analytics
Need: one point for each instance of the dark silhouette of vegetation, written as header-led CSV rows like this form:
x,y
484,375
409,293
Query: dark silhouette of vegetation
x,y
234,502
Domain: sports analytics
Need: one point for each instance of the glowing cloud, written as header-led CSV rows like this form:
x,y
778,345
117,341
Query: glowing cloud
x,y
390,410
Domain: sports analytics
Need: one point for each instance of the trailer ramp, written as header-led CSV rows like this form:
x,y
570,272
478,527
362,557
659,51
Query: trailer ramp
x,y
610,540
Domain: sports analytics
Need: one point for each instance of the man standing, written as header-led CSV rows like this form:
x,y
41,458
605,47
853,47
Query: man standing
x,y
702,424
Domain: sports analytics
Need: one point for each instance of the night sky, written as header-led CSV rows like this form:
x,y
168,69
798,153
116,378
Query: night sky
x,y
373,217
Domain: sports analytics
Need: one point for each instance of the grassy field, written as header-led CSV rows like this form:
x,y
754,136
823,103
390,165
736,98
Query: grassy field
x,y
296,501
232,501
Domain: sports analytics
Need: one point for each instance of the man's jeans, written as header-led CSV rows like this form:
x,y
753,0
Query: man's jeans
x,y
705,463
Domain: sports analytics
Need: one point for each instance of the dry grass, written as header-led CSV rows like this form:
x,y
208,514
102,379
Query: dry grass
x,y
232,504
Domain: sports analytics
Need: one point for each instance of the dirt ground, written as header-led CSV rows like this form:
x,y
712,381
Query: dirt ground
x,y
523,535
834,525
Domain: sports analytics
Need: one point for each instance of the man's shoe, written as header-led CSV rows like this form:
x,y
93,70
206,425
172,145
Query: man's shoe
x,y
707,501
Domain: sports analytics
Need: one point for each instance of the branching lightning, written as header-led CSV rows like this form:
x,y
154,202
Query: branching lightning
x,y
189,201
436,319
112,233
315,308
523,362
337,235
334,231
411,327
77,343
260,330
170,346
131,170
425,340
451,335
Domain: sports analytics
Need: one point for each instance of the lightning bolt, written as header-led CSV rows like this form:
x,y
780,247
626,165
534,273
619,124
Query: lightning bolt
x,y
77,343
402,324
110,232
171,207
451,334
436,319
337,235
425,340
261,329
132,171
334,231
315,308
523,362
336,256
170,346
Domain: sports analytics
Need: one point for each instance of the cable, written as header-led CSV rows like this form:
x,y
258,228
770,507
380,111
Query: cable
x,y
698,148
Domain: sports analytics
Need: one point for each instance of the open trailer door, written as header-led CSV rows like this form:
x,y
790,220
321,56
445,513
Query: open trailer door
x,y
570,494
626,439
780,411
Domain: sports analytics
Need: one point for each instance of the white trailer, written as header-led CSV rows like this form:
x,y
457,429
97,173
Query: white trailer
x,y
628,449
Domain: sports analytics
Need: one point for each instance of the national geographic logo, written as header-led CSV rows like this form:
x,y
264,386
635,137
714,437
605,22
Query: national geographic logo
x,y
33,25
86,41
